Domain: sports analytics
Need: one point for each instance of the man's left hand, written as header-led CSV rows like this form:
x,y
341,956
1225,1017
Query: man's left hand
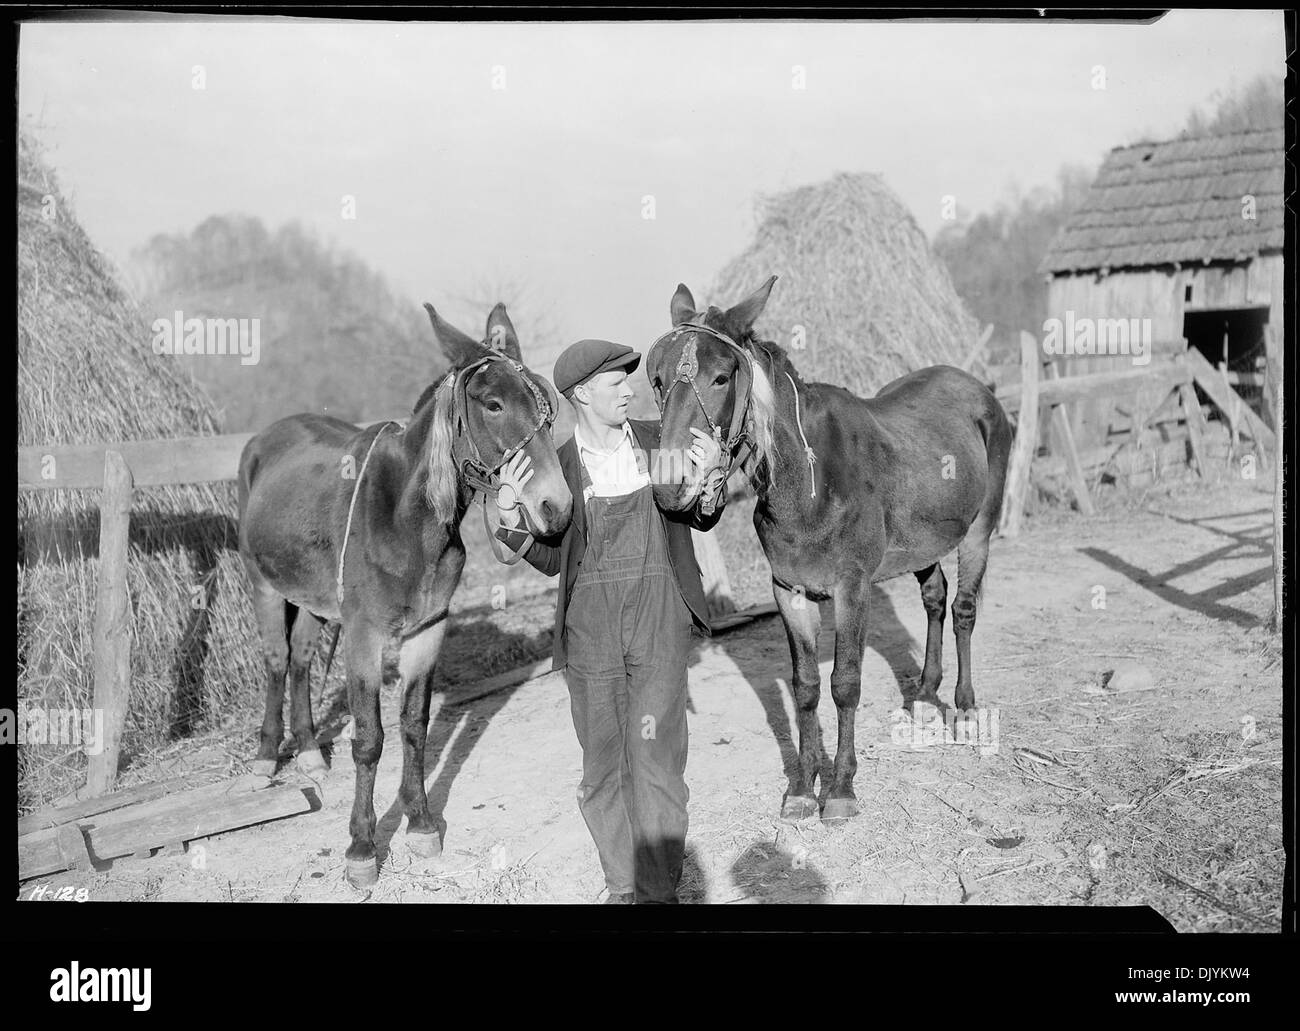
x,y
705,453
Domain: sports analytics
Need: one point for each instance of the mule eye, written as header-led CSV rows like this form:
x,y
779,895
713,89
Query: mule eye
x,y
493,406
721,379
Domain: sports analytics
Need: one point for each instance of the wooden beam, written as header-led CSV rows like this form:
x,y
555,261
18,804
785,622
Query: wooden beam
x,y
1165,374
1065,438
713,573
1209,379
113,623
1026,440
153,463
977,352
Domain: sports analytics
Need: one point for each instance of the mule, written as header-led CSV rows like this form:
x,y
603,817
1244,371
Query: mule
x,y
362,527
850,491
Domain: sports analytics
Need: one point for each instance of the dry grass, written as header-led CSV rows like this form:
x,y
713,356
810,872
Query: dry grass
x,y
858,274
87,373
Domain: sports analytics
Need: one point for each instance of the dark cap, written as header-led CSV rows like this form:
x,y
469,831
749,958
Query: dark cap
x,y
582,360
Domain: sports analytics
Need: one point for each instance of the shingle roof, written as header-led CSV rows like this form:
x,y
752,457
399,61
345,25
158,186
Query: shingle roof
x,y
1158,203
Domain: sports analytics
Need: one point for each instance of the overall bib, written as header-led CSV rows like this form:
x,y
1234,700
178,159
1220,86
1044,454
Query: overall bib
x,y
628,640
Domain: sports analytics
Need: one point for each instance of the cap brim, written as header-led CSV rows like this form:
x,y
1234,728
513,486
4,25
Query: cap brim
x,y
630,362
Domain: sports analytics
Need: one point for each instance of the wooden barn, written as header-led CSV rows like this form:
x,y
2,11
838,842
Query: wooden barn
x,y
1182,241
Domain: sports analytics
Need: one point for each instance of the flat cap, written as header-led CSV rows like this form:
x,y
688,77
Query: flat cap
x,y
582,360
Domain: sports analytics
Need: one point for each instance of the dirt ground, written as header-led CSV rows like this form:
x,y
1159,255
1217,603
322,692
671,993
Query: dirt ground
x,y
1161,786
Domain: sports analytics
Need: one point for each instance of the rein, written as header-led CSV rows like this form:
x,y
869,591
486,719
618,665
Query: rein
x,y
352,506
688,367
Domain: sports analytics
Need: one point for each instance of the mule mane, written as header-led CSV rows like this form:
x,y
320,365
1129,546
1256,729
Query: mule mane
x,y
442,489
770,364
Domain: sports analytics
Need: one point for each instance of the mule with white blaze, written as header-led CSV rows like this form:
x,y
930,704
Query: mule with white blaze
x,y
362,527
850,491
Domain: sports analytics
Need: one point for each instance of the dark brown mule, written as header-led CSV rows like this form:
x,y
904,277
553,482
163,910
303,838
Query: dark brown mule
x,y
850,491
391,588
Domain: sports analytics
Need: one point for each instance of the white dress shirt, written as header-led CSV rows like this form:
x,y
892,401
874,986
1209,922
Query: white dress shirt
x,y
613,473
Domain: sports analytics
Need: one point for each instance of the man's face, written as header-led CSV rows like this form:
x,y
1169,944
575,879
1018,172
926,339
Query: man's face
x,y
607,395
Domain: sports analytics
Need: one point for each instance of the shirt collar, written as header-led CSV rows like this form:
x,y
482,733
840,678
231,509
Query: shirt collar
x,y
584,445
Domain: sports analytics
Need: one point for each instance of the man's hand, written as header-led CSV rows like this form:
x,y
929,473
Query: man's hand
x,y
512,479
705,453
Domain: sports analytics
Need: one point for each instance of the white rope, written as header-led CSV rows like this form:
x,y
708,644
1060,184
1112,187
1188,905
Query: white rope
x,y
808,451
352,505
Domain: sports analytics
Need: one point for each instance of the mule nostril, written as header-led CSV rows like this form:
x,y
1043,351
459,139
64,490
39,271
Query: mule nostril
x,y
548,512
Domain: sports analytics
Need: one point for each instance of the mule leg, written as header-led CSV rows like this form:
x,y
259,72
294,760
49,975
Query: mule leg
x,y
304,639
416,668
272,613
934,596
364,675
851,610
802,620
972,559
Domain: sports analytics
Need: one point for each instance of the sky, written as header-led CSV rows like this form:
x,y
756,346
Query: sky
x,y
484,154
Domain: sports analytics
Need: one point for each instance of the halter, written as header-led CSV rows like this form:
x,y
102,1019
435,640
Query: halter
x,y
473,469
688,367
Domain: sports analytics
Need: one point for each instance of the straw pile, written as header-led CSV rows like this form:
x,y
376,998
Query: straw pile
x,y
87,373
857,273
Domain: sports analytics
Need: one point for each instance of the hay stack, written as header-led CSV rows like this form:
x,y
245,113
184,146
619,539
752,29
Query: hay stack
x,y
87,373
858,274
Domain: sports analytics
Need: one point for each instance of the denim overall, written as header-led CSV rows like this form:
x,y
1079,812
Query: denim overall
x,y
628,639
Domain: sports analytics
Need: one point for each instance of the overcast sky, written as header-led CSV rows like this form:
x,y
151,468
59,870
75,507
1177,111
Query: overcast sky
x,y
542,181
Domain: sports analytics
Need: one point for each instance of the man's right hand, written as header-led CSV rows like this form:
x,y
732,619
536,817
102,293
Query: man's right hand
x,y
512,479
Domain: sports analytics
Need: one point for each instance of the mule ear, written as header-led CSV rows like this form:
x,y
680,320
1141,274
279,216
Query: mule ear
x,y
741,318
501,334
460,348
682,305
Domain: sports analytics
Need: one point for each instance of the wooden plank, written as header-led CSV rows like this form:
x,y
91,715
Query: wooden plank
x,y
713,574
153,463
1209,379
113,623
52,850
742,616
185,818
977,352
1065,437
47,818
1026,441
1192,414
1068,389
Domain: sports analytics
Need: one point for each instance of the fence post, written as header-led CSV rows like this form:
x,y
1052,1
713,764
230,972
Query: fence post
x,y
713,572
1065,439
112,633
1026,442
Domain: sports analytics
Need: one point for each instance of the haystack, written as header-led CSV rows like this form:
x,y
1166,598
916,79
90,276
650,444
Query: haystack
x,y
87,373
858,275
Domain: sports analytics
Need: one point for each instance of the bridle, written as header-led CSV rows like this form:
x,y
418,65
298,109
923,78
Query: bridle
x,y
688,367
474,471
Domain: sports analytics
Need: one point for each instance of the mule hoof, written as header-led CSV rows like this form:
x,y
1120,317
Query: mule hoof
x,y
424,844
964,700
798,807
262,767
312,764
839,809
363,873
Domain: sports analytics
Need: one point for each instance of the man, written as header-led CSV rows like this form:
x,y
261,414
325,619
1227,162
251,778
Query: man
x,y
629,594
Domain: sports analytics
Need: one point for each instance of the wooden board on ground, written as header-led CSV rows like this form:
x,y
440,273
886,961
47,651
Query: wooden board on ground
x,y
132,829
48,818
